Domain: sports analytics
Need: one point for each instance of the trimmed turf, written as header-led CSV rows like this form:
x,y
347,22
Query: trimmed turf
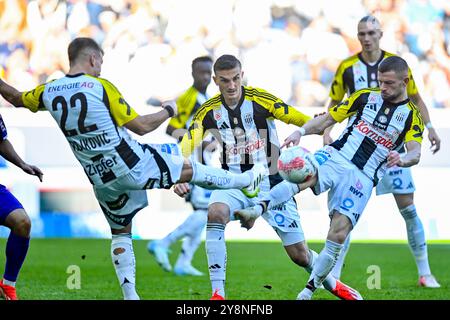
x,y
255,270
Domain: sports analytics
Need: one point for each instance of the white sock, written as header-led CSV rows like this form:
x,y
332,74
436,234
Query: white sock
x,y
337,269
216,252
214,178
325,261
193,229
416,239
281,193
9,283
330,282
122,255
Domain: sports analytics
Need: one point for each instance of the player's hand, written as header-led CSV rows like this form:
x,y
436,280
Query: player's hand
x,y
394,159
171,104
33,170
182,189
435,140
292,140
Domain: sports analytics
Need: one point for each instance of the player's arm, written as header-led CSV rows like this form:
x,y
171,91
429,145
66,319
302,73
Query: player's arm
x,y
411,158
7,151
143,124
327,132
11,94
432,134
193,137
313,126
278,109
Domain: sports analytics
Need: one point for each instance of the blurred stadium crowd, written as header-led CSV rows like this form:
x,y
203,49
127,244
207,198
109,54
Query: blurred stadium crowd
x,y
289,47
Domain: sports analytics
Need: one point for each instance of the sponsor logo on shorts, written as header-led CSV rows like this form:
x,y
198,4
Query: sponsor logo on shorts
x,y
215,180
356,192
279,207
279,219
347,204
119,203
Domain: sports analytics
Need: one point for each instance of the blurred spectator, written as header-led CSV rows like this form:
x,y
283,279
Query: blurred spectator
x,y
291,47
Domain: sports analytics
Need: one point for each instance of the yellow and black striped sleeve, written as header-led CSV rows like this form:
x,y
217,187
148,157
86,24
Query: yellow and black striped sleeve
x,y
415,131
32,99
350,106
277,108
194,136
185,104
411,88
337,90
120,110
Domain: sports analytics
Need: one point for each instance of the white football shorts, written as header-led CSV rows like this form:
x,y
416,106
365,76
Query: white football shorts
x,y
349,188
125,196
396,180
284,218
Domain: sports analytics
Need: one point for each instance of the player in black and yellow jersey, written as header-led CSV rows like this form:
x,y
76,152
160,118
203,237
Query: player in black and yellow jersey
x,y
241,119
95,118
191,229
359,72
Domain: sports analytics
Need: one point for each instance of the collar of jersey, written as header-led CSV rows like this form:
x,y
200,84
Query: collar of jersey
x,y
238,107
75,75
391,104
360,57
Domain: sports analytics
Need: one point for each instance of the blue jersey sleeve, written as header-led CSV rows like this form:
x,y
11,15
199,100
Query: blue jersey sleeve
x,y
3,132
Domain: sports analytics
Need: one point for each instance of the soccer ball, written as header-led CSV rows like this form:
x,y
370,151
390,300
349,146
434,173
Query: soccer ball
x,y
296,164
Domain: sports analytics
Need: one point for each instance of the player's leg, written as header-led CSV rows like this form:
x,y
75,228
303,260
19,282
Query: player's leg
x,y
337,269
345,209
215,178
124,261
193,237
416,238
16,249
13,216
120,203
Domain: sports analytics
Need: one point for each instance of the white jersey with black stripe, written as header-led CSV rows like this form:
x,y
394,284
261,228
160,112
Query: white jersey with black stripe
x,y
91,113
375,127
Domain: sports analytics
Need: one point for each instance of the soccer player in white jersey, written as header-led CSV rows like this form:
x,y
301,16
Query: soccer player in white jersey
x,y
241,119
358,72
381,121
192,228
95,119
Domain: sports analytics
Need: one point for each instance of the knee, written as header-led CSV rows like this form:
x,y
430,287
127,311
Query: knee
x,y
22,227
337,235
218,214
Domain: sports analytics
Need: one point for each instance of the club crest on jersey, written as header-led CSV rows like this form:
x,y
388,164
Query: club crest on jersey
x,y
400,116
382,119
248,118
217,116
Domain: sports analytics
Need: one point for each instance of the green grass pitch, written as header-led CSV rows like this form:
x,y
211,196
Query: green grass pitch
x,y
255,271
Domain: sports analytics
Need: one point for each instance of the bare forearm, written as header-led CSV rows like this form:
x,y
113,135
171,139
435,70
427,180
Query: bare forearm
x,y
152,121
10,94
410,159
318,125
7,151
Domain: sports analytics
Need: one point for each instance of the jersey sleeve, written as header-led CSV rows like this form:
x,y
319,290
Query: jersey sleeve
x,y
3,132
337,90
194,136
185,103
32,99
411,88
280,110
120,110
348,107
415,132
